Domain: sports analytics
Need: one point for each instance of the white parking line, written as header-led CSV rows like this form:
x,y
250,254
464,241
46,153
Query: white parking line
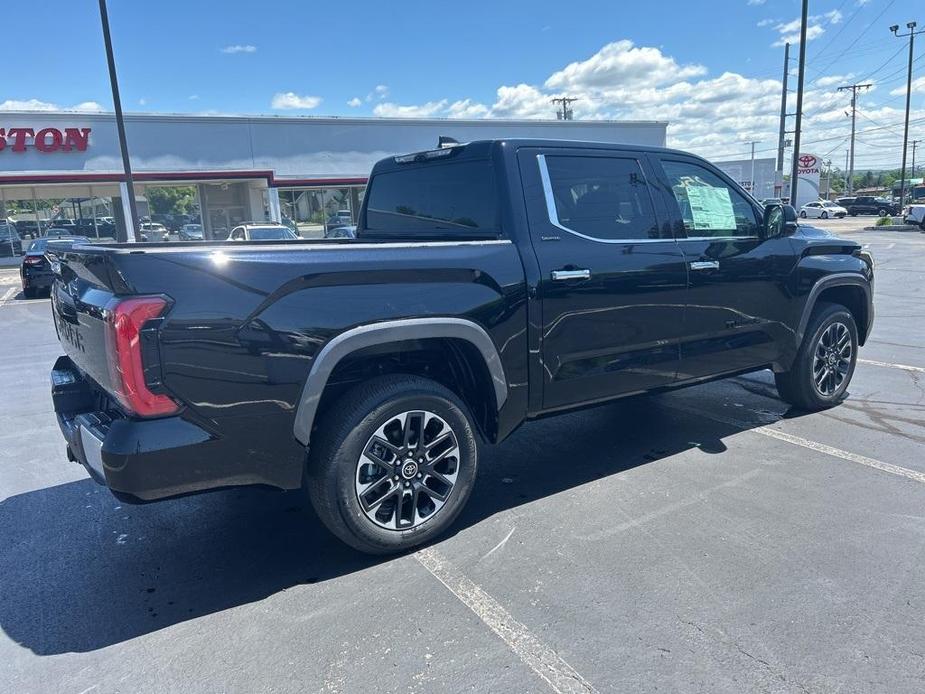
x,y
8,294
890,365
807,443
542,659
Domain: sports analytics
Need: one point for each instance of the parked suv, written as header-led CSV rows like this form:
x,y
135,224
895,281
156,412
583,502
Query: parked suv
x,y
866,204
488,284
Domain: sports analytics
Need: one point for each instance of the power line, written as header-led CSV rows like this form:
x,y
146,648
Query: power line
x,y
566,112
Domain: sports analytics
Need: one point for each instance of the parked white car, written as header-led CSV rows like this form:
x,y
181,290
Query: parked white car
x,y
822,209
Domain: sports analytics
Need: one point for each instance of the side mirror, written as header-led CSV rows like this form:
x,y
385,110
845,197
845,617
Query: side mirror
x,y
779,220
791,223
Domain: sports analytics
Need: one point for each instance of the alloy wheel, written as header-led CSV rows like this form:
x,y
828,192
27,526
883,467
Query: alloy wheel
x,y
832,359
407,470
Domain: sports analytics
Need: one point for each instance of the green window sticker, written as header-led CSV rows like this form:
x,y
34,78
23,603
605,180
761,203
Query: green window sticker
x,y
710,208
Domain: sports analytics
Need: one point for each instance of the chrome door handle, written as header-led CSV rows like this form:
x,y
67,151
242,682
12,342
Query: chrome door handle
x,y
705,265
560,275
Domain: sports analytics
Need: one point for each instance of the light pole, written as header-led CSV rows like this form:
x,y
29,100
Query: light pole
x,y
795,164
128,187
911,34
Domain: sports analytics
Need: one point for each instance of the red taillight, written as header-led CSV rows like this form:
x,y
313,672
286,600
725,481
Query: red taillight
x,y
34,259
127,318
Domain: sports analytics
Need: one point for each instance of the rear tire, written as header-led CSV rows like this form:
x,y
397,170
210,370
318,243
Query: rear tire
x,y
392,463
803,214
882,212
29,292
820,374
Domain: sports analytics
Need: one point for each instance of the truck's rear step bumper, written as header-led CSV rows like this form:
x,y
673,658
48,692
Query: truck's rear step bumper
x,y
138,459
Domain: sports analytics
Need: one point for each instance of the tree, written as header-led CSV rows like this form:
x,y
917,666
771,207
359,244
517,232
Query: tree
x,y
171,200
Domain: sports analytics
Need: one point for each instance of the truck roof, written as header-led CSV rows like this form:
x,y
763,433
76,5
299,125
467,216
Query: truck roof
x,y
481,149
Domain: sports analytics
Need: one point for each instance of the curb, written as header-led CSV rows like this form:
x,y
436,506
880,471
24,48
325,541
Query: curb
x,y
894,227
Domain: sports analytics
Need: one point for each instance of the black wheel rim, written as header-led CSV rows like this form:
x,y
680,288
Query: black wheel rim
x,y
832,359
407,470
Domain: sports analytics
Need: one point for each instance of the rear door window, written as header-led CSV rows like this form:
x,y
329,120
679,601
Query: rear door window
x,y
453,199
600,198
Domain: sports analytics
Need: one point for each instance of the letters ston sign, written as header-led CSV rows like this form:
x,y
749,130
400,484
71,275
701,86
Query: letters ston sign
x,y
45,139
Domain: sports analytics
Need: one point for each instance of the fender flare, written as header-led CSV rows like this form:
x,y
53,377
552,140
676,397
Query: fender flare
x,y
372,334
836,280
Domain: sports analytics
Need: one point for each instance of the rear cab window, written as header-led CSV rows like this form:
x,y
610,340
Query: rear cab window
x,y
451,196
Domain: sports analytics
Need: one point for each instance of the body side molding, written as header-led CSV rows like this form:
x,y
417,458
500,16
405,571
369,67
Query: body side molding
x,y
381,333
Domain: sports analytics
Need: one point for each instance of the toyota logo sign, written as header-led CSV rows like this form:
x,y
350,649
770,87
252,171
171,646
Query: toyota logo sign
x,y
807,161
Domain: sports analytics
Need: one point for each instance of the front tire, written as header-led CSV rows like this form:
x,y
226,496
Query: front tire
x,y
393,463
803,214
820,374
825,215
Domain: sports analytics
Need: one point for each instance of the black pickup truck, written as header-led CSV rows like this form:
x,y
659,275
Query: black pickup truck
x,y
489,283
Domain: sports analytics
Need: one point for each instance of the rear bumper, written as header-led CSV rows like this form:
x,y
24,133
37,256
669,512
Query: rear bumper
x,y
37,278
139,460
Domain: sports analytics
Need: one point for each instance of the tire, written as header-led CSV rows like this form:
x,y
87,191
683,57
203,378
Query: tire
x,y
825,215
29,292
803,214
882,212
799,386
371,423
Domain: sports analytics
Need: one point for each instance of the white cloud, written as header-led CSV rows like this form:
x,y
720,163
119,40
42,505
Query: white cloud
x,y
193,97
789,32
354,102
621,63
239,48
756,2
38,105
832,80
767,22
379,93
427,110
918,87
142,102
291,100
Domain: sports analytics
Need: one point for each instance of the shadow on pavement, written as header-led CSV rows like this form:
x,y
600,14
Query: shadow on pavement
x,y
80,571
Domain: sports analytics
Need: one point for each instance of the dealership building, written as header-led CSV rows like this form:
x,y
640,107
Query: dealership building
x,y
295,170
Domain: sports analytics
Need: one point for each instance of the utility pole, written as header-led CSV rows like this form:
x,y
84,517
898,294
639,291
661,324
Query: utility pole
x,y
783,113
854,114
566,112
911,34
914,143
127,188
847,184
751,179
795,164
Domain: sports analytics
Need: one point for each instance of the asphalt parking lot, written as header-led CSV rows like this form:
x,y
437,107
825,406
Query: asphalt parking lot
x,y
704,540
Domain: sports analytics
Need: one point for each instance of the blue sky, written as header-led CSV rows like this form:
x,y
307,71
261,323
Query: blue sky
x,y
712,69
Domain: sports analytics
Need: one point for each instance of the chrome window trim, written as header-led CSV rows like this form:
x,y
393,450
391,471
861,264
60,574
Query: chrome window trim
x,y
553,213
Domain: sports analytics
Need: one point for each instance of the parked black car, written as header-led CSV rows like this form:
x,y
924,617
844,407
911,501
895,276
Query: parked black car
x,y
867,204
35,270
10,243
86,227
489,283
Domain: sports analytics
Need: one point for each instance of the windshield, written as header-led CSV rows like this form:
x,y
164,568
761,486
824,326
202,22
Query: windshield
x,y
37,245
268,233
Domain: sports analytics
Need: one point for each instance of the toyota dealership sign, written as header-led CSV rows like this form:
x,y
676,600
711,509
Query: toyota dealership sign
x,y
809,169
